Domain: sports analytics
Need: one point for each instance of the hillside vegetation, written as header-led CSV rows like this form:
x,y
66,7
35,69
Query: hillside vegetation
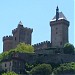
x,y
21,48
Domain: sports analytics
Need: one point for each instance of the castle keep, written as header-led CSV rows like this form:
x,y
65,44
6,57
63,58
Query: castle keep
x,y
59,29
20,34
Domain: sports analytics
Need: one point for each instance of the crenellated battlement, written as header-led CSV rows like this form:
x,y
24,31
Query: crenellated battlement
x,y
13,31
29,29
21,26
42,45
7,38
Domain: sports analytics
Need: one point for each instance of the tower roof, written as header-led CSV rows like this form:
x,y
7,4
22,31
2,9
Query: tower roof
x,y
61,16
20,23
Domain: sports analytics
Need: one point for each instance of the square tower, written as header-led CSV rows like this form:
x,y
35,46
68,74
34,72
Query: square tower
x,y
59,29
21,34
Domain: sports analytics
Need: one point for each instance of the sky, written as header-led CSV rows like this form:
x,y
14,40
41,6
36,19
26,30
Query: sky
x,y
34,14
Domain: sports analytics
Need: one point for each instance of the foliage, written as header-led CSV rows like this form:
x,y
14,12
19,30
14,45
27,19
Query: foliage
x,y
68,48
10,73
21,48
3,55
41,69
28,67
24,48
66,68
2,71
54,65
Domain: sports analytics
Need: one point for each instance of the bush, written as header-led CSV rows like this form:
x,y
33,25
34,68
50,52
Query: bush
x,y
68,48
10,73
21,48
43,69
66,68
24,48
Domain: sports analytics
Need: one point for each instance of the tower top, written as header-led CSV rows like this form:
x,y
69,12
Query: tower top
x,y
59,15
57,9
20,23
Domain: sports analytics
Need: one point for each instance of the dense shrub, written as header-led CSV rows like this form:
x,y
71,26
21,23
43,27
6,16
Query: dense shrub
x,y
42,69
68,48
21,48
66,68
10,73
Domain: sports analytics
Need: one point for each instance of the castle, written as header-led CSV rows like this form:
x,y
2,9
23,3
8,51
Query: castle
x,y
59,34
45,52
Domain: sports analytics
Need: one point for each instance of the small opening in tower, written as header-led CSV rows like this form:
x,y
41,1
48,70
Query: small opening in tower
x,y
56,33
60,43
10,63
15,38
56,28
5,64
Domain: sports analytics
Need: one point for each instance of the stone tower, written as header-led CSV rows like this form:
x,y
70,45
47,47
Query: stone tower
x,y
7,43
59,29
21,34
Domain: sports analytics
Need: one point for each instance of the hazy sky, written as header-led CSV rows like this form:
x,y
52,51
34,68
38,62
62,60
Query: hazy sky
x,y
34,14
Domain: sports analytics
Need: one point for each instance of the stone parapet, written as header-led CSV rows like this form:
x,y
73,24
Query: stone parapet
x,y
7,38
24,28
42,45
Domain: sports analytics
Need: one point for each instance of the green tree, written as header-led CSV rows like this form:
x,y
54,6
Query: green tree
x,y
10,73
68,48
28,67
21,48
3,55
25,48
66,68
42,69
2,71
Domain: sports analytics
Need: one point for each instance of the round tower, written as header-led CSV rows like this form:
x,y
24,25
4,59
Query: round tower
x,y
7,43
59,29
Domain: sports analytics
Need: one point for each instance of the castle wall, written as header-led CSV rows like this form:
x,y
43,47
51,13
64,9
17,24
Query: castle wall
x,y
46,58
7,66
18,66
42,45
55,58
18,60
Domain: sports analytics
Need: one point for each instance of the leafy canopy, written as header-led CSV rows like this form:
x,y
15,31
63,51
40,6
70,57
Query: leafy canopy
x,y
66,68
24,48
10,73
68,48
42,69
21,48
